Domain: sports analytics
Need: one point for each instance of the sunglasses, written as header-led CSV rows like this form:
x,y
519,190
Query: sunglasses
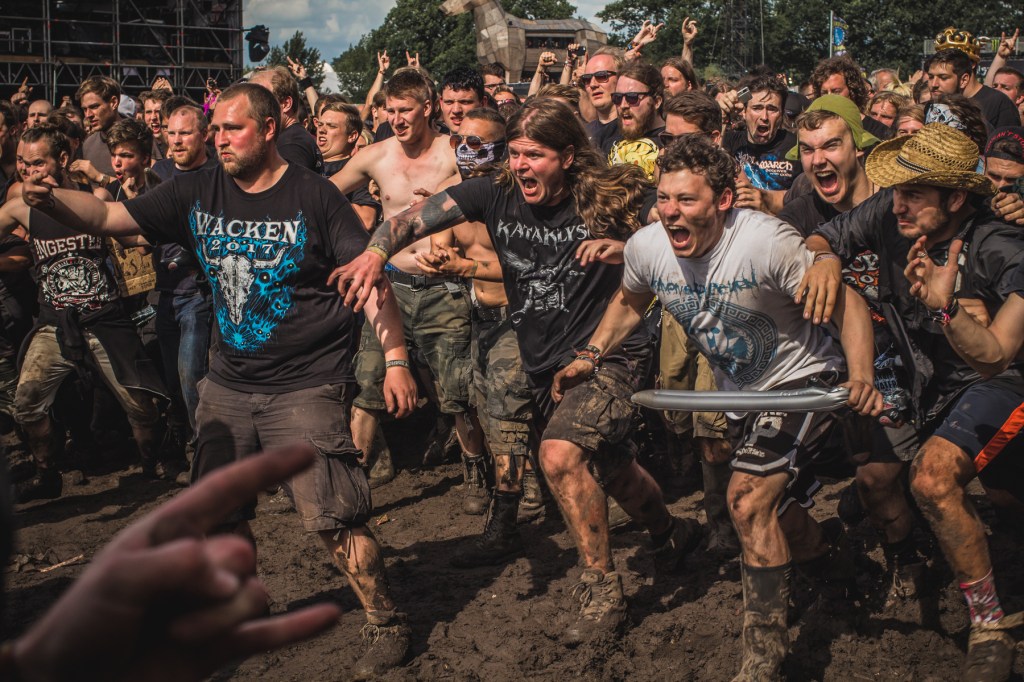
x,y
632,98
499,102
472,141
600,76
667,139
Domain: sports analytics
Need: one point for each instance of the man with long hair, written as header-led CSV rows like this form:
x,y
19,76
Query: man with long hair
x,y
558,216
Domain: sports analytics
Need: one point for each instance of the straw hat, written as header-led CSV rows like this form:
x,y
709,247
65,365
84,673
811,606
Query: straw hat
x,y
936,155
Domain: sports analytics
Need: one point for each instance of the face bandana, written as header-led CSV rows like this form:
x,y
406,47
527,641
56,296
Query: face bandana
x,y
468,159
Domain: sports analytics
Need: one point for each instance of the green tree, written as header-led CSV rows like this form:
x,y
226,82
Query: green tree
x,y
296,48
540,9
420,26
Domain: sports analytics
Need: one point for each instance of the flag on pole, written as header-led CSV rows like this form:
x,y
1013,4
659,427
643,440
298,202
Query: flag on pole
x,y
837,39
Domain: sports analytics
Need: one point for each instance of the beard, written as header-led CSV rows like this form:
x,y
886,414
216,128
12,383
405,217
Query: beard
x,y
245,166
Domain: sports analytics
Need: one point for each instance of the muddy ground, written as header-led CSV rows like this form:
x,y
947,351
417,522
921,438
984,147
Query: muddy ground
x,y
505,623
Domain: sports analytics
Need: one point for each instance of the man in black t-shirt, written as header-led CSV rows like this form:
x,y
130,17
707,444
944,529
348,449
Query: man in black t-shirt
x,y
555,303
267,234
82,325
761,148
936,212
294,143
337,133
954,71
598,82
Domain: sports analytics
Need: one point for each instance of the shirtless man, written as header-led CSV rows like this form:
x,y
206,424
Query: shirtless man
x,y
499,389
435,309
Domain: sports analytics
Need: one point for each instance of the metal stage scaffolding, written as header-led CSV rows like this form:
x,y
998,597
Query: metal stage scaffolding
x,y
56,44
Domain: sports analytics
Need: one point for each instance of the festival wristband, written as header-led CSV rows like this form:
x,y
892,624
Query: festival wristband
x,y
380,251
945,314
824,255
396,363
306,82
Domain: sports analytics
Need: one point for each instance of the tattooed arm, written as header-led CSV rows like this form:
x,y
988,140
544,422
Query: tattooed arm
x,y
356,279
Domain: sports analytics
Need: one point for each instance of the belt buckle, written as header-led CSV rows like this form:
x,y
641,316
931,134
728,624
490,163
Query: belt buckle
x,y
419,282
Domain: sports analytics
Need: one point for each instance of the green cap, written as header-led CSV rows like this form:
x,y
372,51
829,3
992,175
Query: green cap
x,y
845,109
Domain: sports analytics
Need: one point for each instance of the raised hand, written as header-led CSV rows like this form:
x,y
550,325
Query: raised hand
x,y
297,69
931,283
384,61
689,30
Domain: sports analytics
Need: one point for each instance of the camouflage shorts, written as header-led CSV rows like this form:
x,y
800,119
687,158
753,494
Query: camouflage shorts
x,y
437,333
684,368
501,394
599,416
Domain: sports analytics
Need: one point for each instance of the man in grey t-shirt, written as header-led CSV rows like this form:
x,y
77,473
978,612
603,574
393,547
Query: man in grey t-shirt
x,y
729,276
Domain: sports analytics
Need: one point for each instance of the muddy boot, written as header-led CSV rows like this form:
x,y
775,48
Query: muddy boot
x,y
617,516
602,606
765,635
908,570
989,654
683,538
387,641
532,503
146,443
500,540
722,540
476,497
47,484
383,469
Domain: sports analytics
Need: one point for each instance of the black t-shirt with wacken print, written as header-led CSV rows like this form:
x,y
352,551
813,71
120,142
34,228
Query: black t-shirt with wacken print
x,y
267,255
554,303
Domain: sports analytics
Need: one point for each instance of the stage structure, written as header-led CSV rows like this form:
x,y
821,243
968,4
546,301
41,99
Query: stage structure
x,y
518,43
56,44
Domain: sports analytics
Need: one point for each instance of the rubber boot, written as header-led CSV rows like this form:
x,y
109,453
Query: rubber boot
x,y
765,635
722,540
476,497
500,540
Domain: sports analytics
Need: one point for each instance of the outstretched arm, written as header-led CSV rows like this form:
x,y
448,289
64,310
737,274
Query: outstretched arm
x,y
81,210
356,279
623,314
386,320
858,341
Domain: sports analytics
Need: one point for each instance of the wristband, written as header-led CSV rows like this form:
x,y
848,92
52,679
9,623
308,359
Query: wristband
x,y
396,363
306,82
591,354
945,314
380,251
824,255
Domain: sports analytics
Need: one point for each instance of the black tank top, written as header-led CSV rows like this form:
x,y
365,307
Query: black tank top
x,y
70,267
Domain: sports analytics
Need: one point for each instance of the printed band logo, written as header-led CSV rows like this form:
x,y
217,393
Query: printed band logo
x,y
248,263
738,341
74,282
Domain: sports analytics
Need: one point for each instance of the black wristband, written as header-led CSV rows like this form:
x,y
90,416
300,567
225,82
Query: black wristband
x,y
306,82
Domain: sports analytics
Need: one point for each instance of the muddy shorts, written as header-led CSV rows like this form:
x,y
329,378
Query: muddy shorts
x,y
683,368
231,425
987,422
891,444
767,443
435,319
501,394
596,415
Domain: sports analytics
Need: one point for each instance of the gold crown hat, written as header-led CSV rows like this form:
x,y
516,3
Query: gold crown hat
x,y
955,39
936,155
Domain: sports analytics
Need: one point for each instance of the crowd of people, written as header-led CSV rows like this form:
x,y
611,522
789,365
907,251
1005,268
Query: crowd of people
x,y
276,266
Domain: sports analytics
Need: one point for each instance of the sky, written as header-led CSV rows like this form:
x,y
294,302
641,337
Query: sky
x,y
332,25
